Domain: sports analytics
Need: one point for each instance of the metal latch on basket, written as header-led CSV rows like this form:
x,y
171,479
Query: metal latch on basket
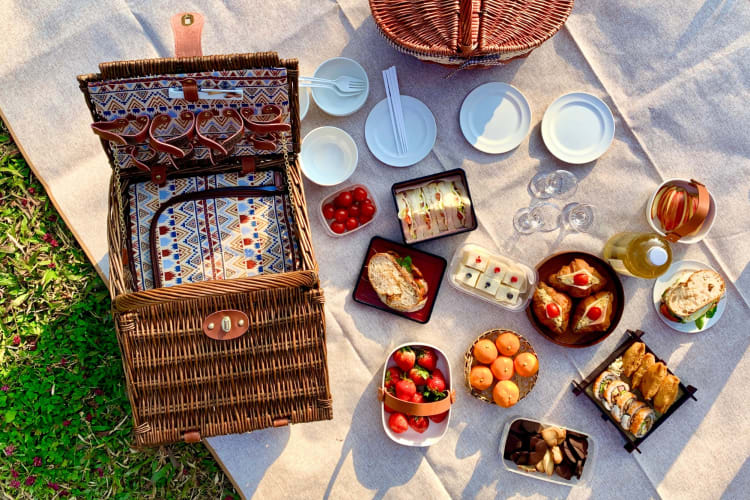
x,y
226,324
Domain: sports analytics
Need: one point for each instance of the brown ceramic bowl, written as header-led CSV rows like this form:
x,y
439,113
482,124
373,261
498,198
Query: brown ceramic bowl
x,y
550,266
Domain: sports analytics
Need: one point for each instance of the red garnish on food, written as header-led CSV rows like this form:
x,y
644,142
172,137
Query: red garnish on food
x,y
497,270
553,310
594,313
479,259
667,314
581,279
513,279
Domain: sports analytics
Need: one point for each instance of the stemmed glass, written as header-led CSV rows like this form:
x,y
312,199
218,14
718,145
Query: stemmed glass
x,y
558,184
542,217
577,217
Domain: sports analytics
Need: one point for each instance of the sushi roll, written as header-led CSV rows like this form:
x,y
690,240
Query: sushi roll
x,y
642,421
613,390
625,399
627,414
601,383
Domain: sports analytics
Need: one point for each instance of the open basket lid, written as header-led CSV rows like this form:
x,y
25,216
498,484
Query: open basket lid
x,y
470,29
159,114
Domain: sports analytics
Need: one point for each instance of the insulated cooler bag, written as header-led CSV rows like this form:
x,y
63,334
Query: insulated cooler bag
x,y
215,290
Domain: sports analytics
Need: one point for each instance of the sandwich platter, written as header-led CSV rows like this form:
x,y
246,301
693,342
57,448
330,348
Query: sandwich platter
x,y
678,272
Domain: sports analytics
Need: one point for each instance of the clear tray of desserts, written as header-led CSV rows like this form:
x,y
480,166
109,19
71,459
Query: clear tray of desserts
x,y
492,277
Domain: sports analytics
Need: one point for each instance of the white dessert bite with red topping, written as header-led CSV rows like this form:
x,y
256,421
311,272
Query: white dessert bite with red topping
x,y
476,260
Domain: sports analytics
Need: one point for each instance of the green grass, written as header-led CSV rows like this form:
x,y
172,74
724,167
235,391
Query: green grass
x,y
65,422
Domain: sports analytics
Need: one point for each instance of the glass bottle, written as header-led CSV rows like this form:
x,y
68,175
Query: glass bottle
x,y
643,255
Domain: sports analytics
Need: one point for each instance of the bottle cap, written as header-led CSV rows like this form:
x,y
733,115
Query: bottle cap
x,y
657,256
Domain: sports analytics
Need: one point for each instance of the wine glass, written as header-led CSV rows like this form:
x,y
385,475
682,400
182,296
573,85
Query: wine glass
x,y
578,217
558,184
542,217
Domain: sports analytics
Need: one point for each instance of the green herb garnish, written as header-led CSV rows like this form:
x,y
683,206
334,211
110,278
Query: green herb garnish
x,y
405,262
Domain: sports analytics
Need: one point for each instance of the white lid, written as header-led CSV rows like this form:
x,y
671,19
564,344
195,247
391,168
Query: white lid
x,y
657,256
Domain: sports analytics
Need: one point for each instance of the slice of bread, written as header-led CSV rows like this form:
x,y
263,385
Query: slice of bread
x,y
395,285
695,295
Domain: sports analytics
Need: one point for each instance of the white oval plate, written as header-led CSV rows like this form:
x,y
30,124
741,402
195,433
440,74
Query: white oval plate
x,y
578,128
495,117
304,102
329,156
667,279
421,132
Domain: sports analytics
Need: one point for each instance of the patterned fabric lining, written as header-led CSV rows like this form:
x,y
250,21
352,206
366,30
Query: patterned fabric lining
x,y
150,95
215,238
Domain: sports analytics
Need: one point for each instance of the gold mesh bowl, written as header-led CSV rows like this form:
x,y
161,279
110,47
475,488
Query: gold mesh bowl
x,y
525,384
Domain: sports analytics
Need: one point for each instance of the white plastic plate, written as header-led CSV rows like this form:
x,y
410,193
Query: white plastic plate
x,y
667,279
421,132
495,117
578,128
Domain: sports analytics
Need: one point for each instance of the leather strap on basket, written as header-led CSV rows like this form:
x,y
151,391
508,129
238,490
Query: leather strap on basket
x,y
123,131
704,203
218,149
187,28
417,409
173,137
264,130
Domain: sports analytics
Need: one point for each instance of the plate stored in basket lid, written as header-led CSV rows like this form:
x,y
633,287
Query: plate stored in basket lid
x,y
469,33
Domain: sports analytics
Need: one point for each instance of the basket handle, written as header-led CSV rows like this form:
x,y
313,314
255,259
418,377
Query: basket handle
x,y
704,203
417,409
466,42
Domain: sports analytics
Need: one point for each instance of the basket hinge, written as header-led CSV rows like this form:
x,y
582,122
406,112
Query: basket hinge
x,y
280,422
248,164
192,436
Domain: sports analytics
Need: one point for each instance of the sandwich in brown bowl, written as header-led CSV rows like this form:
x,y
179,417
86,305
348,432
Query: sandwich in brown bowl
x,y
578,279
551,308
594,313
397,281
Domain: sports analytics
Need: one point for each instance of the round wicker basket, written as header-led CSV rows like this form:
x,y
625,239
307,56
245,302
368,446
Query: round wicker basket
x,y
469,33
525,384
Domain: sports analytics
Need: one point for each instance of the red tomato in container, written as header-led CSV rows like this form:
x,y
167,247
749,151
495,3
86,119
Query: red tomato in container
x,y
359,194
328,210
354,210
338,227
341,215
367,210
343,200
363,219
351,223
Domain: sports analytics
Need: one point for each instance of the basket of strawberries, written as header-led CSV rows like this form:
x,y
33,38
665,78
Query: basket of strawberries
x,y
416,394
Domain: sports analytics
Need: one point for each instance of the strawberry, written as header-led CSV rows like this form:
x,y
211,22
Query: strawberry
x,y
427,359
438,374
405,358
419,424
417,398
405,389
434,383
419,375
392,374
398,423
439,418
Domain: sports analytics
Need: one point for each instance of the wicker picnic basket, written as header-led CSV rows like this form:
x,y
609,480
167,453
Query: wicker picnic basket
x,y
469,33
188,377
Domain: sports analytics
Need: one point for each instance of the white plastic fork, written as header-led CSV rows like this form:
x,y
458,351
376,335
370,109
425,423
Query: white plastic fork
x,y
345,84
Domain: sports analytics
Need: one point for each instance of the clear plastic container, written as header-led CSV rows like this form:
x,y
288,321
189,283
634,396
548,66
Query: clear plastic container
x,y
588,466
435,431
329,199
496,271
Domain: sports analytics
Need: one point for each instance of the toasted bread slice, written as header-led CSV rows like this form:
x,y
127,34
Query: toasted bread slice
x,y
691,298
396,286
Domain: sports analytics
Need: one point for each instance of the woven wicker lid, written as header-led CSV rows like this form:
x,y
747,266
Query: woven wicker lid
x,y
469,28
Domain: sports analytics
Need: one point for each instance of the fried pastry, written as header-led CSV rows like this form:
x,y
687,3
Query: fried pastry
x,y
578,279
632,358
593,314
652,380
646,363
552,308
667,393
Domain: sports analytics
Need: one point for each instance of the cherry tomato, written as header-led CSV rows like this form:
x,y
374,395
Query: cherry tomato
x,y
338,227
341,215
553,310
354,211
581,279
328,210
343,200
594,313
351,223
359,194
367,210
364,219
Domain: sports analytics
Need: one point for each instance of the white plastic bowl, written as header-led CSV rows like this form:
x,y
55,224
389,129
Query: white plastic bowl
x,y
329,156
435,431
656,225
331,101
304,102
